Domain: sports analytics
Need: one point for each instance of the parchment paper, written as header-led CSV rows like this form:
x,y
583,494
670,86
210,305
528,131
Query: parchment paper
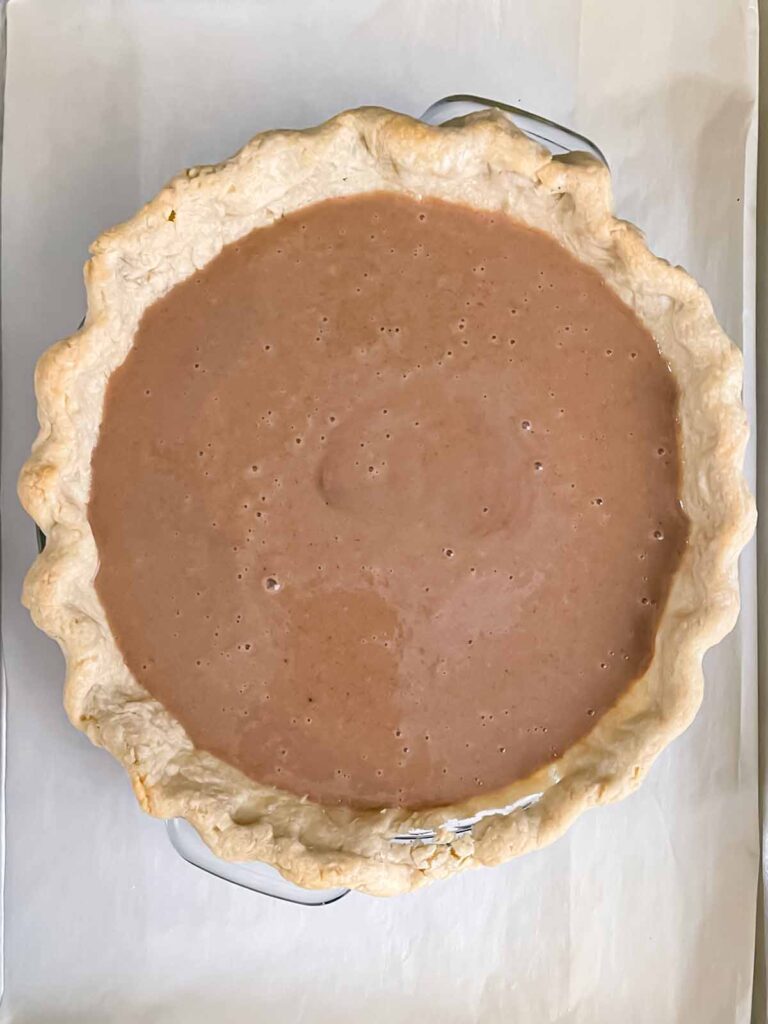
x,y
645,912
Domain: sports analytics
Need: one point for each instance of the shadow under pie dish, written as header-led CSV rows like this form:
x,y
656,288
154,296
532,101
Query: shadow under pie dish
x,y
390,481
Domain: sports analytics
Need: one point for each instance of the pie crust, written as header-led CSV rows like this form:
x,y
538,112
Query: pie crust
x,y
485,162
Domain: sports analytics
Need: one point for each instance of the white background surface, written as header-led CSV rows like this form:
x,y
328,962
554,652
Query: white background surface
x,y
645,912
760,1000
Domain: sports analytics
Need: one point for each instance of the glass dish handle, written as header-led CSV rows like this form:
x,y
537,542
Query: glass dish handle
x,y
556,137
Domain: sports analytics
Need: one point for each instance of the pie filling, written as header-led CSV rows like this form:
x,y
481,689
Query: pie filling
x,y
386,502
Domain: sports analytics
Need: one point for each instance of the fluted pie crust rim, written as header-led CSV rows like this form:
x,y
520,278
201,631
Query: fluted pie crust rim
x,y
484,162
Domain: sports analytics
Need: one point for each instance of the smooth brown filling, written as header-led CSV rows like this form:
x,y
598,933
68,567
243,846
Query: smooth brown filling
x,y
386,501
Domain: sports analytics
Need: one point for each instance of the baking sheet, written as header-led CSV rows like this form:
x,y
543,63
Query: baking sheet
x,y
646,910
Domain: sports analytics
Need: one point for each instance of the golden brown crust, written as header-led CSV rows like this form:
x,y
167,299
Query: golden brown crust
x,y
485,162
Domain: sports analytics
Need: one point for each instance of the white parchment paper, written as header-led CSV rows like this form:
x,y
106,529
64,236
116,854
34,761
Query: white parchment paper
x,y
645,912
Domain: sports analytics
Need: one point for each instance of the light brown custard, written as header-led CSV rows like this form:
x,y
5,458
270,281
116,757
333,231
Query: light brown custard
x,y
386,501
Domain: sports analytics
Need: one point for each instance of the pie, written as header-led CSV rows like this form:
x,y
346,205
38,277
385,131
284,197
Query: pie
x,y
391,484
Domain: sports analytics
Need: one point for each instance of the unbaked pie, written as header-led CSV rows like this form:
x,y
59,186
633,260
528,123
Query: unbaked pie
x,y
390,482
